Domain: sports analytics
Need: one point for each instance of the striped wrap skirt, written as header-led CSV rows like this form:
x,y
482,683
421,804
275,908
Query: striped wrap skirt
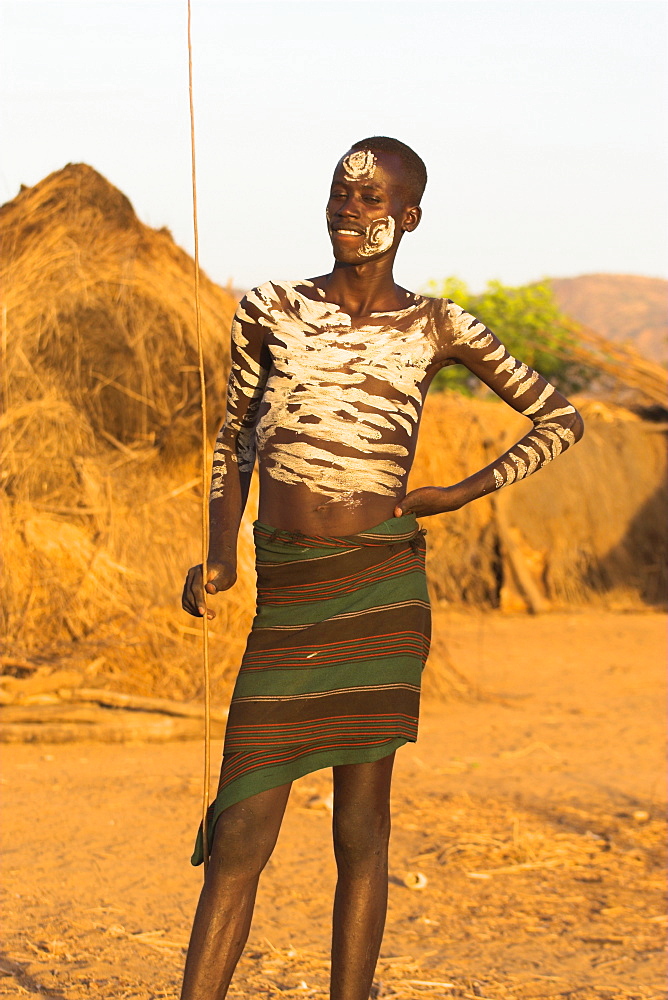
x,y
332,667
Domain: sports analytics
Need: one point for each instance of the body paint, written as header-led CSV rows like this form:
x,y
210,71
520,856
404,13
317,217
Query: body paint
x,y
359,166
378,237
548,438
339,408
236,439
334,387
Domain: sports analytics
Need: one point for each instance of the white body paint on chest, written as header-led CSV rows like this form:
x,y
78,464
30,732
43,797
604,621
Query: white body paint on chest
x,y
339,390
339,408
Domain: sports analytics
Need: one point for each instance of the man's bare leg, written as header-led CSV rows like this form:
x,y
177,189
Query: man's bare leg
x,y
361,836
244,838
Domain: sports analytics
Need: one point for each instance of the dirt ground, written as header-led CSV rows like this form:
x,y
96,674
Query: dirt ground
x,y
530,819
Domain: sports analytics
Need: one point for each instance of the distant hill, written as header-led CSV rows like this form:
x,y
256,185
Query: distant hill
x,y
624,308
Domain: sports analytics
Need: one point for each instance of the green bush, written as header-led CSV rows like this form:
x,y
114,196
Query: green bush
x,y
527,320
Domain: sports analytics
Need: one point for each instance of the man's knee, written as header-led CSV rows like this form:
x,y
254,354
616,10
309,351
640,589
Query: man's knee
x,y
361,836
240,848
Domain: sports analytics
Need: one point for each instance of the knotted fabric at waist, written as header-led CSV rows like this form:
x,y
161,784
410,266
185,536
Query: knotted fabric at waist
x,y
395,529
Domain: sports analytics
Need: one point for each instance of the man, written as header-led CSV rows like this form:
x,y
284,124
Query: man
x,y
327,384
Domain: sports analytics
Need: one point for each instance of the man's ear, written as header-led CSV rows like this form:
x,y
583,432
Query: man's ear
x,y
411,219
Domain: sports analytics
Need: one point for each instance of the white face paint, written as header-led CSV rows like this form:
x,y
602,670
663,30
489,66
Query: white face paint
x,y
378,237
359,166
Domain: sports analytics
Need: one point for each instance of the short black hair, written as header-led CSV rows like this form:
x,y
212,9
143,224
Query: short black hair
x,y
416,172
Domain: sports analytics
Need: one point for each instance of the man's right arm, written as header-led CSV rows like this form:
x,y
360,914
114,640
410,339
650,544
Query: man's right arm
x,y
233,458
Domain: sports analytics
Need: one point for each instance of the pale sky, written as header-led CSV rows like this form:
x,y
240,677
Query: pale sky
x,y
542,124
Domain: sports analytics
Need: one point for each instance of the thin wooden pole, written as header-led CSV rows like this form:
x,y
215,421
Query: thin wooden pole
x,y
205,469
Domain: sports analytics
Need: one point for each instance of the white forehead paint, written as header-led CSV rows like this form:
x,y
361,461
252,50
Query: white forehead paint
x,y
359,166
378,237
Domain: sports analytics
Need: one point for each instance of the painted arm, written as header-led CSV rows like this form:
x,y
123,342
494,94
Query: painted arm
x,y
556,423
233,458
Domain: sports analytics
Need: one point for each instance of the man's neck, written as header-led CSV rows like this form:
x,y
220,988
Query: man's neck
x,y
360,289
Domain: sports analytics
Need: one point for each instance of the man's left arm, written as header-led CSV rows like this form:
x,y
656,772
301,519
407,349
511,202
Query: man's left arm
x,y
556,423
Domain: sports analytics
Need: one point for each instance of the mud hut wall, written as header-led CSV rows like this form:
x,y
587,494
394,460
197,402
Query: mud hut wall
x,y
594,521
597,516
458,436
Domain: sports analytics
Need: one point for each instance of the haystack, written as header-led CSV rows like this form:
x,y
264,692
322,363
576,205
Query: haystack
x,y
100,429
100,480
98,322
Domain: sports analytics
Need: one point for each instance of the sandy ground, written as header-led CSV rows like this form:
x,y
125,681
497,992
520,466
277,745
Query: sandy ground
x,y
534,814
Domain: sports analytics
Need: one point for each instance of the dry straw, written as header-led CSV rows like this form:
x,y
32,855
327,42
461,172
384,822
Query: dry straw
x,y
100,432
